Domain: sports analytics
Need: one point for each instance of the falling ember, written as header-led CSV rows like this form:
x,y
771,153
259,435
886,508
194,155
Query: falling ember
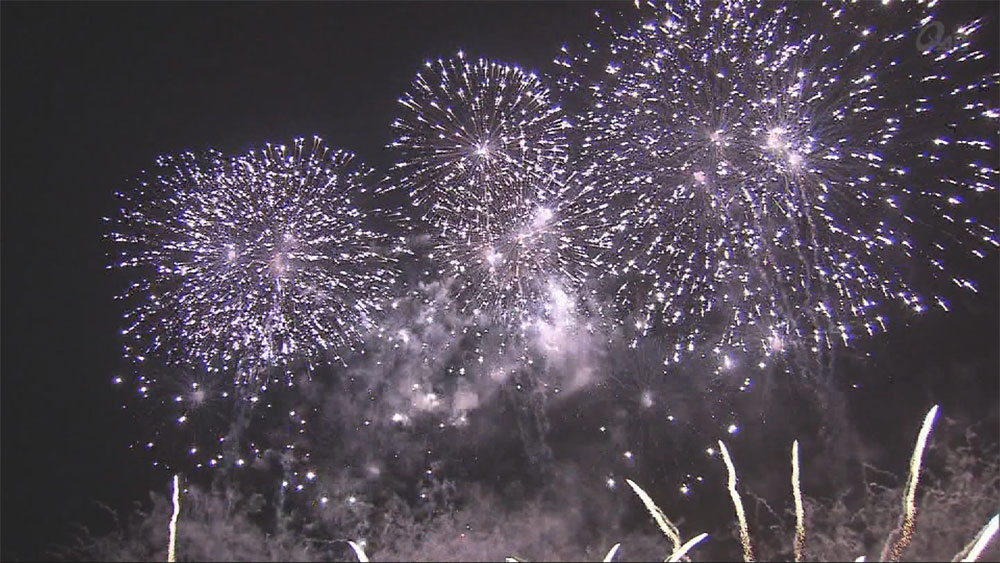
x,y
172,546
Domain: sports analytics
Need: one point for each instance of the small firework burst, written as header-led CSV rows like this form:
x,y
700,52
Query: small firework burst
x,y
464,121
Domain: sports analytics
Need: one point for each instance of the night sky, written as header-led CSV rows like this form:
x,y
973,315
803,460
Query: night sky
x,y
92,93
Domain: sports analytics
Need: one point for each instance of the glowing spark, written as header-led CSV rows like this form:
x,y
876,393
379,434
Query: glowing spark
x,y
666,526
172,546
253,262
737,504
800,528
904,532
982,539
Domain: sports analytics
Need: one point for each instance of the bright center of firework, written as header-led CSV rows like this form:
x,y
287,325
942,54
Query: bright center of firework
x,y
775,139
539,221
779,143
279,265
231,255
542,216
483,150
776,343
699,177
197,396
646,399
493,257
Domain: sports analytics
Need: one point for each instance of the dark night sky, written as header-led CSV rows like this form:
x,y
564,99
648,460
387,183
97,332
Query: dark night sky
x,y
91,93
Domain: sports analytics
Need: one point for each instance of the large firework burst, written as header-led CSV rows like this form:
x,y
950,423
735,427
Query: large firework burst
x,y
250,263
790,169
483,152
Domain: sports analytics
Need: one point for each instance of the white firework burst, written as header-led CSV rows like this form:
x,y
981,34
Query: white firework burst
x,y
245,264
791,169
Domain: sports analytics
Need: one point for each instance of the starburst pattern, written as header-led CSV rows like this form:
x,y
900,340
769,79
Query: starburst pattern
x,y
463,121
531,243
254,265
791,169
483,151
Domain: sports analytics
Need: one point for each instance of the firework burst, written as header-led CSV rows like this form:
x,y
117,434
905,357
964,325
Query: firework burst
x,y
525,249
251,263
462,122
791,169
483,152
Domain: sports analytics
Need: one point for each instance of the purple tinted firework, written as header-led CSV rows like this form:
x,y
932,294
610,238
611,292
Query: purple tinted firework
x,y
483,155
464,121
791,169
253,263
528,243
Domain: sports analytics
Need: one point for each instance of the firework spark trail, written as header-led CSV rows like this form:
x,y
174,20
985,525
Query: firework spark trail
x,y
681,552
786,166
975,548
465,121
800,517
172,546
359,551
734,495
250,263
530,246
483,153
902,535
666,526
